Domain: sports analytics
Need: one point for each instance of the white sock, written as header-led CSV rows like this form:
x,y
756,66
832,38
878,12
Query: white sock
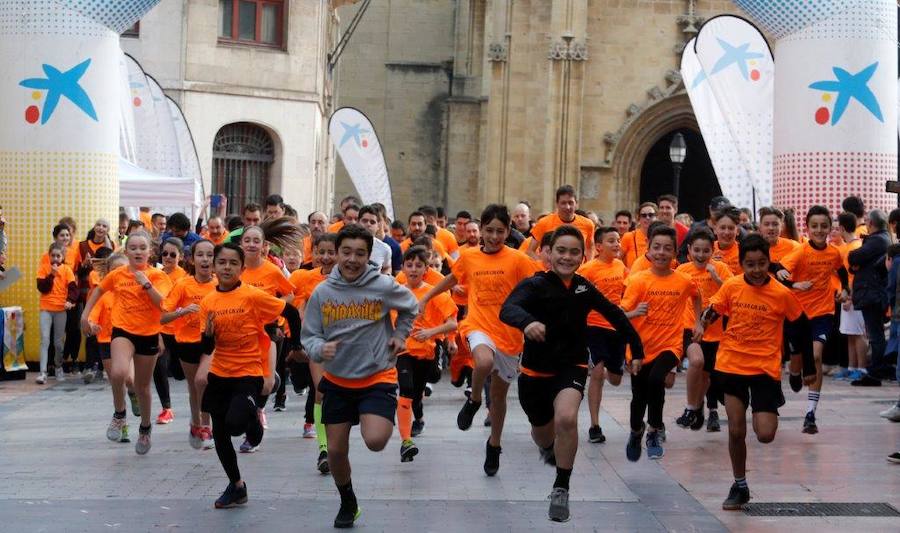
x,y
813,398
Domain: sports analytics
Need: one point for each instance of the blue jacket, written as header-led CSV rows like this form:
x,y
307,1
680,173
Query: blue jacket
x,y
869,272
189,239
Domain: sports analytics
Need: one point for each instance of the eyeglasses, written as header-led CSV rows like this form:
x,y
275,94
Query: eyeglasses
x,y
648,215
169,254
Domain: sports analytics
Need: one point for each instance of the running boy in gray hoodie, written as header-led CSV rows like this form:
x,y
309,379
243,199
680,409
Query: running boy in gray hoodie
x,y
347,327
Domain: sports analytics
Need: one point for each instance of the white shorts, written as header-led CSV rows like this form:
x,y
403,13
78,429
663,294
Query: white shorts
x,y
506,366
852,322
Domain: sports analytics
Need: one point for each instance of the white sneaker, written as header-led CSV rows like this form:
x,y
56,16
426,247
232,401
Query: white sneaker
x,y
41,379
60,375
892,414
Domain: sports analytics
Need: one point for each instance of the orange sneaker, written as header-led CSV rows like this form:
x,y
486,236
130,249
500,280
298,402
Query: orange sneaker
x,y
165,416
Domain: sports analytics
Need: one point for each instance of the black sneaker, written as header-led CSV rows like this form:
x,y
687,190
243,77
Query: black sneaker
x,y
280,402
408,450
491,458
548,455
232,497
595,435
322,462
633,448
894,458
487,420
796,382
687,418
418,426
712,424
866,381
662,433
736,499
466,414
698,420
428,390
346,517
809,424
559,505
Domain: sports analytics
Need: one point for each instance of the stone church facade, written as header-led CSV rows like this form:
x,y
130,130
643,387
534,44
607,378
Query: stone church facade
x,y
479,101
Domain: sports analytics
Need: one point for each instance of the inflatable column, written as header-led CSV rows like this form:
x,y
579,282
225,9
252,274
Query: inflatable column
x,y
59,144
835,100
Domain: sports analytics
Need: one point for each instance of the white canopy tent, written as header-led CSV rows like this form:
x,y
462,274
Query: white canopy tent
x,y
141,187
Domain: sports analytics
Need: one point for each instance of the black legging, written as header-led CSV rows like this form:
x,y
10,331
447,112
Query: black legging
x,y
73,336
161,371
279,369
232,410
412,374
302,377
648,391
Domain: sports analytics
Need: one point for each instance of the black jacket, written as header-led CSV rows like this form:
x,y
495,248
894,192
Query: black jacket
x,y
544,298
869,272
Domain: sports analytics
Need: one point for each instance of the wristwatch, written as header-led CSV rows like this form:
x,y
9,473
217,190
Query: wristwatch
x,y
147,286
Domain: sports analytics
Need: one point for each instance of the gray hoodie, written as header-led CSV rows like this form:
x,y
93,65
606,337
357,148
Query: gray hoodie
x,y
357,314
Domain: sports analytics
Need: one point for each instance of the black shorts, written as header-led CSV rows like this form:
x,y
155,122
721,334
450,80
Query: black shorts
x,y
103,350
188,352
219,392
341,405
761,392
536,395
143,344
710,349
606,346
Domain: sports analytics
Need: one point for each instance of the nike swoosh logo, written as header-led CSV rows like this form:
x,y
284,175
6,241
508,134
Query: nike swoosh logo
x,y
580,289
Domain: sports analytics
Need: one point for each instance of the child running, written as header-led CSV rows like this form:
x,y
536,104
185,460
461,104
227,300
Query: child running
x,y
182,307
170,257
347,328
748,363
657,300
606,348
708,274
725,224
416,360
811,269
139,290
241,367
551,308
489,273
59,292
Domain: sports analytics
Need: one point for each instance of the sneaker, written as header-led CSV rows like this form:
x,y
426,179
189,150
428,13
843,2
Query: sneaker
x,y
866,381
166,416
135,406
280,403
117,431
691,418
736,499
233,496
346,517
487,420
98,375
796,382
595,435
466,414
712,423
698,420
60,375
654,446
892,414
662,433
309,431
322,462
429,390
491,458
87,377
548,456
633,448
195,437
559,505
246,447
894,458
418,426
468,391
41,379
207,439
841,375
854,375
142,446
809,424
263,421
408,450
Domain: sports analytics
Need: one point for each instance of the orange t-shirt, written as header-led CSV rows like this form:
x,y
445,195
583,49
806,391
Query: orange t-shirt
x,y
783,247
522,247
489,278
147,219
439,309
609,278
447,240
174,276
242,345
431,277
752,342
187,291
134,311
307,250
667,297
552,221
72,258
55,300
633,245
336,227
707,286
93,280
205,234
730,256
845,250
305,282
101,315
818,266
268,278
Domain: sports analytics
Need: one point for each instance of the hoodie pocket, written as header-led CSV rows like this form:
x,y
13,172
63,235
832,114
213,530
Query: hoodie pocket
x,y
355,360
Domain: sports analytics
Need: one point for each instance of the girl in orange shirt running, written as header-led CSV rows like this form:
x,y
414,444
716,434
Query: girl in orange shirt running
x,y
170,257
182,306
139,290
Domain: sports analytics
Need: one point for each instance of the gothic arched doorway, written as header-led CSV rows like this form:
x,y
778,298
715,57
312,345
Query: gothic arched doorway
x,y
242,156
698,178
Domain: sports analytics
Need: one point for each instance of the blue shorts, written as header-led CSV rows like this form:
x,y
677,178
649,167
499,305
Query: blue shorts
x,y
820,328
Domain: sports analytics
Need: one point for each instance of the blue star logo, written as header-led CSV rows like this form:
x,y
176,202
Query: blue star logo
x,y
851,86
59,84
352,132
735,55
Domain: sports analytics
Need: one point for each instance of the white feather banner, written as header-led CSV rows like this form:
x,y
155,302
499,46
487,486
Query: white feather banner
x,y
357,144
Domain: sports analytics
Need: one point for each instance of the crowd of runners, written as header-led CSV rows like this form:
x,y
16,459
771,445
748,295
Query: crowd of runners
x,y
366,313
